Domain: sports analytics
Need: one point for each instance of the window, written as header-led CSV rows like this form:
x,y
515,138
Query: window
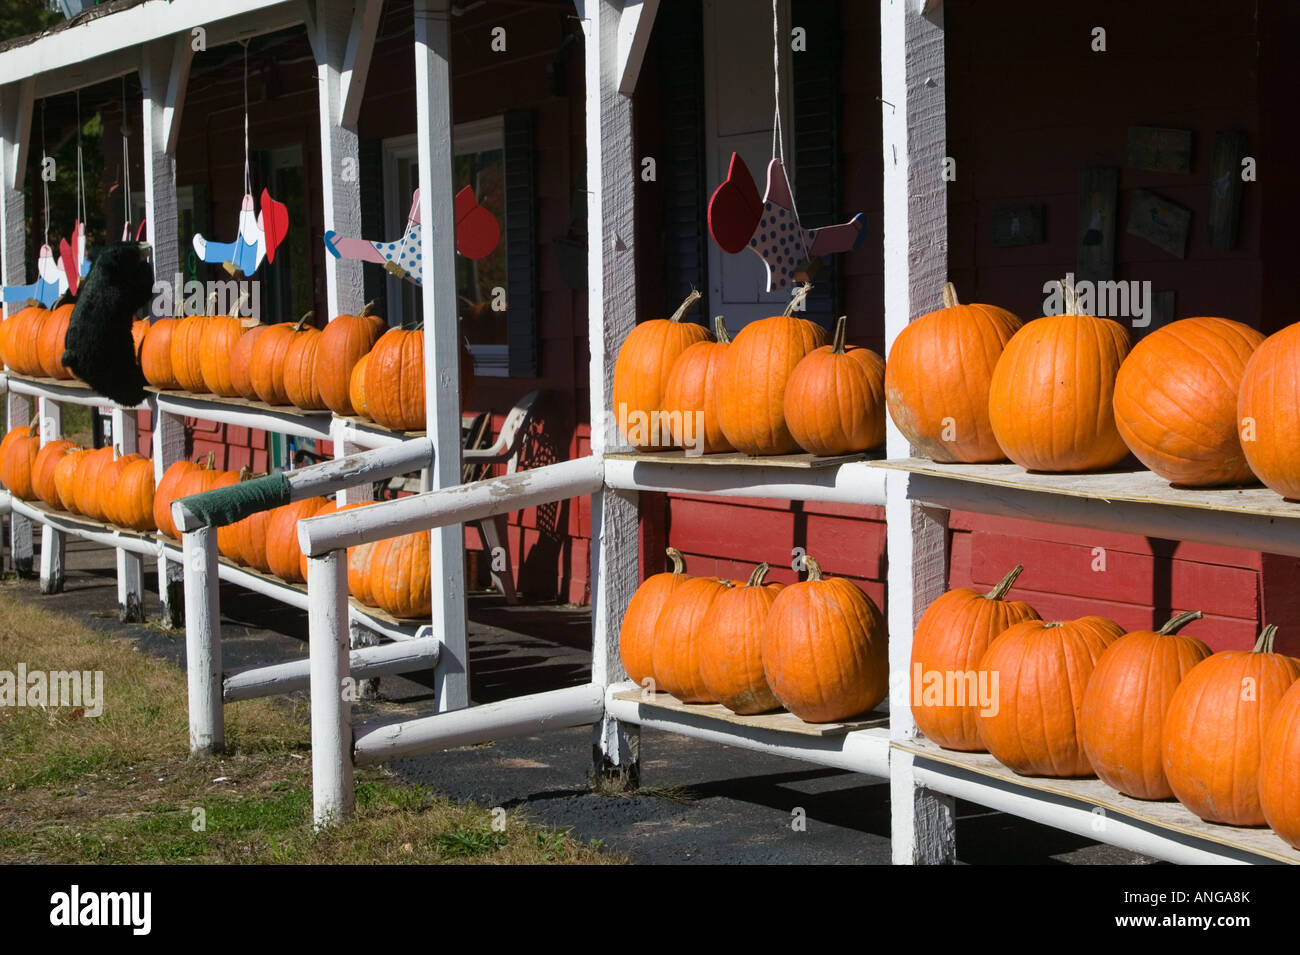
x,y
287,284
479,161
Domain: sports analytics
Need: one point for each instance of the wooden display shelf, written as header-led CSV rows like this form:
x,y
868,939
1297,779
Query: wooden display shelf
x,y
779,721
1162,828
243,412
1132,502
731,459
70,390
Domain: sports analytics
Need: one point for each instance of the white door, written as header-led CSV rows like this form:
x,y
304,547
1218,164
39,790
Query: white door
x,y
739,102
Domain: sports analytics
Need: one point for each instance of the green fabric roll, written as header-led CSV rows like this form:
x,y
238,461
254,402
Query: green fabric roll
x,y
232,503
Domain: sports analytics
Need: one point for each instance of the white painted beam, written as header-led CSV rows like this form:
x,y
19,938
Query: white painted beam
x,y
441,337
916,263
130,568
164,76
856,482
635,22
203,642
51,419
385,659
611,303
520,716
356,61
330,25
331,709
24,103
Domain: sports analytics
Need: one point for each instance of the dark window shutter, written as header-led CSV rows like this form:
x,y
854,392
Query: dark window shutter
x,y
817,140
371,174
681,67
521,244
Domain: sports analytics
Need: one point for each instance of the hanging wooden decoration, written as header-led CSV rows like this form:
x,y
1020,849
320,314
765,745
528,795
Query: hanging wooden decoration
x,y
771,229
477,236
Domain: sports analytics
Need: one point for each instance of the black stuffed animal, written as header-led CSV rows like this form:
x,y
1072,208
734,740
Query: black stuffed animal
x,y
99,348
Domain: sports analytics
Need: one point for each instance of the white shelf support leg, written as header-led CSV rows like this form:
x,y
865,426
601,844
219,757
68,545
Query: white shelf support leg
x,y
130,567
16,104
611,270
441,339
203,641
916,264
52,541
168,448
331,689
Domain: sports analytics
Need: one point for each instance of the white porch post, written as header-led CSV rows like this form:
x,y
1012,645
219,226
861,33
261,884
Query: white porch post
x,y
342,35
331,707
441,338
611,303
916,264
164,76
51,418
17,101
203,640
130,566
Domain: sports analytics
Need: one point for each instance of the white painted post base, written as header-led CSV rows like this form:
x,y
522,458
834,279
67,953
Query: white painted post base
x,y
18,414
51,560
923,823
130,567
171,591
331,689
203,642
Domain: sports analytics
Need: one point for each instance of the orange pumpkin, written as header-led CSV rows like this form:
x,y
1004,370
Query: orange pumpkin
x,y
47,460
1279,768
156,354
139,329
394,380
636,635
300,370
228,534
132,495
399,578
1215,726
343,343
938,376
267,363
835,398
731,646
17,458
329,508
641,373
1051,394
357,387
1176,400
1041,671
165,493
1268,412
359,572
109,483
50,346
187,353
65,480
87,487
753,379
824,649
690,394
1125,702
21,342
282,550
241,360
951,639
221,333
248,541
679,633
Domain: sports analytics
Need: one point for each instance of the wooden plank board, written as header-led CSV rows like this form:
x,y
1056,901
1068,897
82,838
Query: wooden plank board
x,y
1143,487
365,424
780,721
736,459
1165,814
1226,187
242,403
1098,210
1162,222
1156,149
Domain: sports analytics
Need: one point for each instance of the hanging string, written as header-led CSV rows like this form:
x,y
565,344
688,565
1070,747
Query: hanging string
x,y
45,183
778,135
248,182
81,184
126,167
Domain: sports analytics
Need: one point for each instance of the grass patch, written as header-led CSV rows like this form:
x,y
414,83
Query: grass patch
x,y
122,788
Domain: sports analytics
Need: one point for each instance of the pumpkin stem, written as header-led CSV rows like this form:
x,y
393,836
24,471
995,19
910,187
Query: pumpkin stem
x,y
241,304
1265,642
797,298
814,568
756,578
212,459
1181,620
304,320
212,303
679,562
1004,585
685,307
1069,297
720,330
245,473
366,309
33,303
1049,626
950,295
837,343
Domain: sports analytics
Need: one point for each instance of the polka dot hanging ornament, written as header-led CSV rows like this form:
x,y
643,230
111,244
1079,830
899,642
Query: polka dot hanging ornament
x,y
770,227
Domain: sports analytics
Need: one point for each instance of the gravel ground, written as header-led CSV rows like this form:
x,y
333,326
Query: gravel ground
x,y
699,803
